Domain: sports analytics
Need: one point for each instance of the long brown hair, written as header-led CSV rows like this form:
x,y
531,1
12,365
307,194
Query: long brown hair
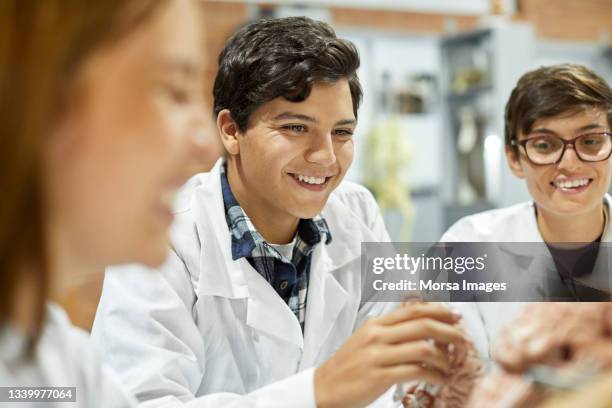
x,y
42,45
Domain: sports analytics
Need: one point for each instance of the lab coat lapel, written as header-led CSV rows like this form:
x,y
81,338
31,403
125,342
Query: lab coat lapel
x,y
601,278
531,272
267,311
546,283
326,299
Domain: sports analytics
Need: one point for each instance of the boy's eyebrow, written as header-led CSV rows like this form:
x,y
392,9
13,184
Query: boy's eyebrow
x,y
590,127
299,116
543,130
346,122
306,118
584,128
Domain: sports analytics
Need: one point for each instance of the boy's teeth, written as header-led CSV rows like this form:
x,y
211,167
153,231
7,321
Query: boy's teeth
x,y
310,180
572,183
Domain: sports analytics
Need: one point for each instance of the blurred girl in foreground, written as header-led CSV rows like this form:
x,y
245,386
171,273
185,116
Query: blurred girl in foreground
x,y
100,109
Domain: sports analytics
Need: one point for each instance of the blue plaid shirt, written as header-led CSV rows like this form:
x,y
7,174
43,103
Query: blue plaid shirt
x,y
289,278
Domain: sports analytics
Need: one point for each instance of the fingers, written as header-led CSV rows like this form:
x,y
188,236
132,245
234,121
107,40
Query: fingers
x,y
422,329
411,311
515,354
421,353
599,352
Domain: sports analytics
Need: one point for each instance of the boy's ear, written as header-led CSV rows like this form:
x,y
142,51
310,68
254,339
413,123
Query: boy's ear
x,y
228,130
512,155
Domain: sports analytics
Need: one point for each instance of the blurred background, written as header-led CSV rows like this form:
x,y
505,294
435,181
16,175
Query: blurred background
x,y
436,75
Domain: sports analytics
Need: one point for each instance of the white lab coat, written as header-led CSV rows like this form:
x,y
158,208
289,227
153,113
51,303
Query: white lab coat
x,y
516,223
63,357
206,326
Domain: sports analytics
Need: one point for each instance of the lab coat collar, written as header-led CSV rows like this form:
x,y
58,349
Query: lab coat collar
x,y
347,233
221,276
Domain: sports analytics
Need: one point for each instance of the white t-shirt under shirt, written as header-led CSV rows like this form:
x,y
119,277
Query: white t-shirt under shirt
x,y
286,250
62,357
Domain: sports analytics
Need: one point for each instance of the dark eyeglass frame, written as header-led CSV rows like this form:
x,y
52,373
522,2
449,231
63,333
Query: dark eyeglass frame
x,y
523,143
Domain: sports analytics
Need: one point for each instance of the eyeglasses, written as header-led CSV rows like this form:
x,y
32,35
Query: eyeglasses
x,y
549,149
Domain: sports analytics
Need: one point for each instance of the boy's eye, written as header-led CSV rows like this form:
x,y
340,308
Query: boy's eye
x,y
343,132
295,128
541,145
591,141
544,144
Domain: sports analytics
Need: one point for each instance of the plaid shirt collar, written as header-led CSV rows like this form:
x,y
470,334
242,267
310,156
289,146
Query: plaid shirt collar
x,y
246,240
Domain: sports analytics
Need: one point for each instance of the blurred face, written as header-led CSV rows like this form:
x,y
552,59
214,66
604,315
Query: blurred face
x,y
126,141
570,187
293,155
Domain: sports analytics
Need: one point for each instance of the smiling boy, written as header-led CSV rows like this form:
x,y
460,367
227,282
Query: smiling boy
x,y
260,302
558,139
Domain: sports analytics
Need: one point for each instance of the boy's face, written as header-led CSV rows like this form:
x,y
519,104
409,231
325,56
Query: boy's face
x,y
543,181
293,155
